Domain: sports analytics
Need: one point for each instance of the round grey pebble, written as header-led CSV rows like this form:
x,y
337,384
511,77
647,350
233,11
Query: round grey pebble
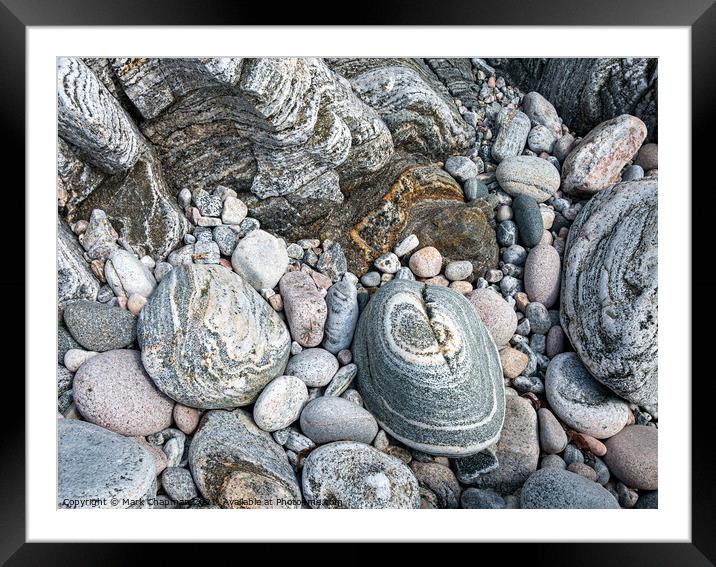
x,y
315,366
556,488
99,327
483,499
370,279
552,462
280,403
506,233
514,254
178,484
331,418
540,321
458,270
552,436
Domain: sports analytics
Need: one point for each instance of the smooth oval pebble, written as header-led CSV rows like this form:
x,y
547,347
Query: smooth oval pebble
x,y
315,366
352,475
97,468
280,403
305,308
237,465
580,401
426,262
186,418
342,305
428,369
542,275
331,418
609,307
529,220
260,258
633,456
458,270
100,327
552,437
126,275
557,488
209,340
113,390
528,175
496,314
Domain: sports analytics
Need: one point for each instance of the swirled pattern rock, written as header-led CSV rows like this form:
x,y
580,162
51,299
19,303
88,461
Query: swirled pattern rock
x,y
429,370
209,340
90,118
610,289
237,465
75,280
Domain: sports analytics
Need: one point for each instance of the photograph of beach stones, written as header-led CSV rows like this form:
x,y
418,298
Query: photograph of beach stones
x,y
357,283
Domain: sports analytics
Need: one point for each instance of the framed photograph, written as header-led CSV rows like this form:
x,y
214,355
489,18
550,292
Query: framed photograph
x,y
408,278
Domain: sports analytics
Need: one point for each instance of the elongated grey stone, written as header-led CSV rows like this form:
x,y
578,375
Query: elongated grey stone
x,y
513,129
342,303
610,289
89,117
331,418
75,280
429,370
209,340
352,475
237,465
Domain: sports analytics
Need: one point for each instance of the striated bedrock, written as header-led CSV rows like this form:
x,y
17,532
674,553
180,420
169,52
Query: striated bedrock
x,y
378,208
587,91
428,369
75,177
75,280
209,340
237,465
458,76
410,98
91,119
141,207
609,298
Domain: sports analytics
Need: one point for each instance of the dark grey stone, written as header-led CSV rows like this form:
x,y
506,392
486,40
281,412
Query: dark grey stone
x,y
556,488
100,327
528,219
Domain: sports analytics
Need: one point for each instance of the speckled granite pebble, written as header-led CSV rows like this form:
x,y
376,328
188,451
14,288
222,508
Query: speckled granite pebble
x,y
100,327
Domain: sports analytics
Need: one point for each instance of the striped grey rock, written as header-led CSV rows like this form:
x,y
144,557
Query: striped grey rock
x,y
96,466
76,177
610,289
75,280
597,162
305,308
557,488
580,401
209,340
330,418
458,77
528,175
142,207
342,304
341,380
408,96
237,465
126,275
429,370
91,119
352,475
100,238
587,91
512,132
100,327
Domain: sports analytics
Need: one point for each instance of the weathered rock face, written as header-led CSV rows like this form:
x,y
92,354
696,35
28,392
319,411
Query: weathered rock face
x,y
95,463
411,100
378,209
610,290
597,162
141,207
458,77
209,340
353,475
91,119
76,178
75,280
237,465
428,369
586,92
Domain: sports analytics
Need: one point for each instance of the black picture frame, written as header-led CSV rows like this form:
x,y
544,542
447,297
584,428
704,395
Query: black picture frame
x,y
699,15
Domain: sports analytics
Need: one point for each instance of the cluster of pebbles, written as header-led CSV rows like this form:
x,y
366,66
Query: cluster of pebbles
x,y
246,371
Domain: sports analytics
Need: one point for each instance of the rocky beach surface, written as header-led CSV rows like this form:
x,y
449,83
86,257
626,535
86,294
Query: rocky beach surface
x,y
357,283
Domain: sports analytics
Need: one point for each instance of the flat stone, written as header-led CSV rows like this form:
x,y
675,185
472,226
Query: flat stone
x,y
517,449
461,168
426,362
332,262
542,275
596,163
315,366
113,390
99,239
496,314
528,175
209,340
342,304
406,245
469,469
610,289
513,129
97,468
330,418
126,275
100,327
555,488
529,220
552,436
75,279
341,380
580,401
280,403
633,456
261,259
305,308
353,475
237,465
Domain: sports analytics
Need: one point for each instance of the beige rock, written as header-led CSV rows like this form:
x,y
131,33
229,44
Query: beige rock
x,y
513,362
426,262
